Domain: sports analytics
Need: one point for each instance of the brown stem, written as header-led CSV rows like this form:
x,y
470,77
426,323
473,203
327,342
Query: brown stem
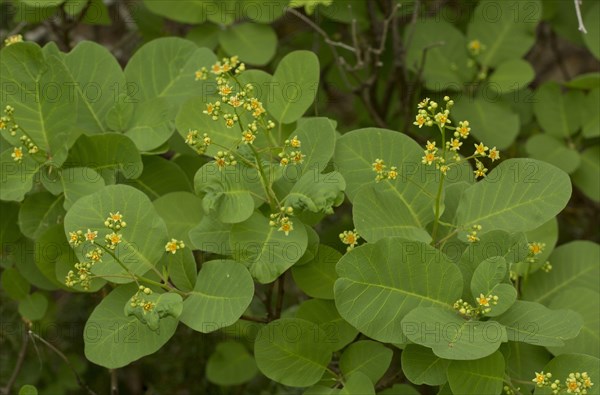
x,y
280,295
114,382
20,359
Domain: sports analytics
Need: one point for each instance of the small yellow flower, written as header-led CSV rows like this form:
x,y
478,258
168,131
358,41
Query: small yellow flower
x,y
480,149
216,68
463,129
481,170
442,118
423,103
494,154
286,226
430,146
482,300
429,158
91,236
455,144
76,238
420,120
201,74
95,255
378,165
536,248
229,122
10,40
298,157
114,238
235,101
148,306
295,143
444,169
17,154
116,216
210,108
540,378
393,173
284,162
174,245
225,90
350,238
248,137
475,47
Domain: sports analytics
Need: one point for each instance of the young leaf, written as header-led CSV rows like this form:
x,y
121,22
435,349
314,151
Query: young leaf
x,y
397,276
481,377
534,323
223,291
230,364
368,357
266,251
487,280
557,113
295,83
450,336
422,366
253,43
292,352
518,195
113,339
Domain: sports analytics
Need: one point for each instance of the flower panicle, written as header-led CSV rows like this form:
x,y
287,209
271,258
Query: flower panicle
x,y
282,221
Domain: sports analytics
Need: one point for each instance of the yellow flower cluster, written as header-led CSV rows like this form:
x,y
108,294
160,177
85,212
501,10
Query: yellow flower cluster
x,y
535,248
294,156
7,122
350,238
484,306
200,145
380,168
282,220
575,383
174,245
224,159
430,114
235,96
138,300
10,40
472,235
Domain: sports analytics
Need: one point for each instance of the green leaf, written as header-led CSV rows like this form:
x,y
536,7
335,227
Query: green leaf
x,y
317,277
205,35
228,194
400,207
16,179
317,193
77,182
487,280
28,390
252,42
484,117
358,383
422,366
400,389
14,284
511,75
506,30
182,269
166,304
518,195
368,357
113,339
19,255
38,212
150,124
574,264
591,121
512,247
181,212
587,303
382,282
450,336
187,11
93,85
33,85
533,323
440,50
318,138
547,234
322,312
106,153
587,176
481,377
223,291
563,365
9,228
160,177
557,113
143,239
522,359
292,352
230,364
212,236
591,39
585,81
33,307
266,251
171,75
295,85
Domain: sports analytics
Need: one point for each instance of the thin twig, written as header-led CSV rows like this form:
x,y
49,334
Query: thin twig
x,y
280,295
80,381
114,382
13,377
579,18
254,319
